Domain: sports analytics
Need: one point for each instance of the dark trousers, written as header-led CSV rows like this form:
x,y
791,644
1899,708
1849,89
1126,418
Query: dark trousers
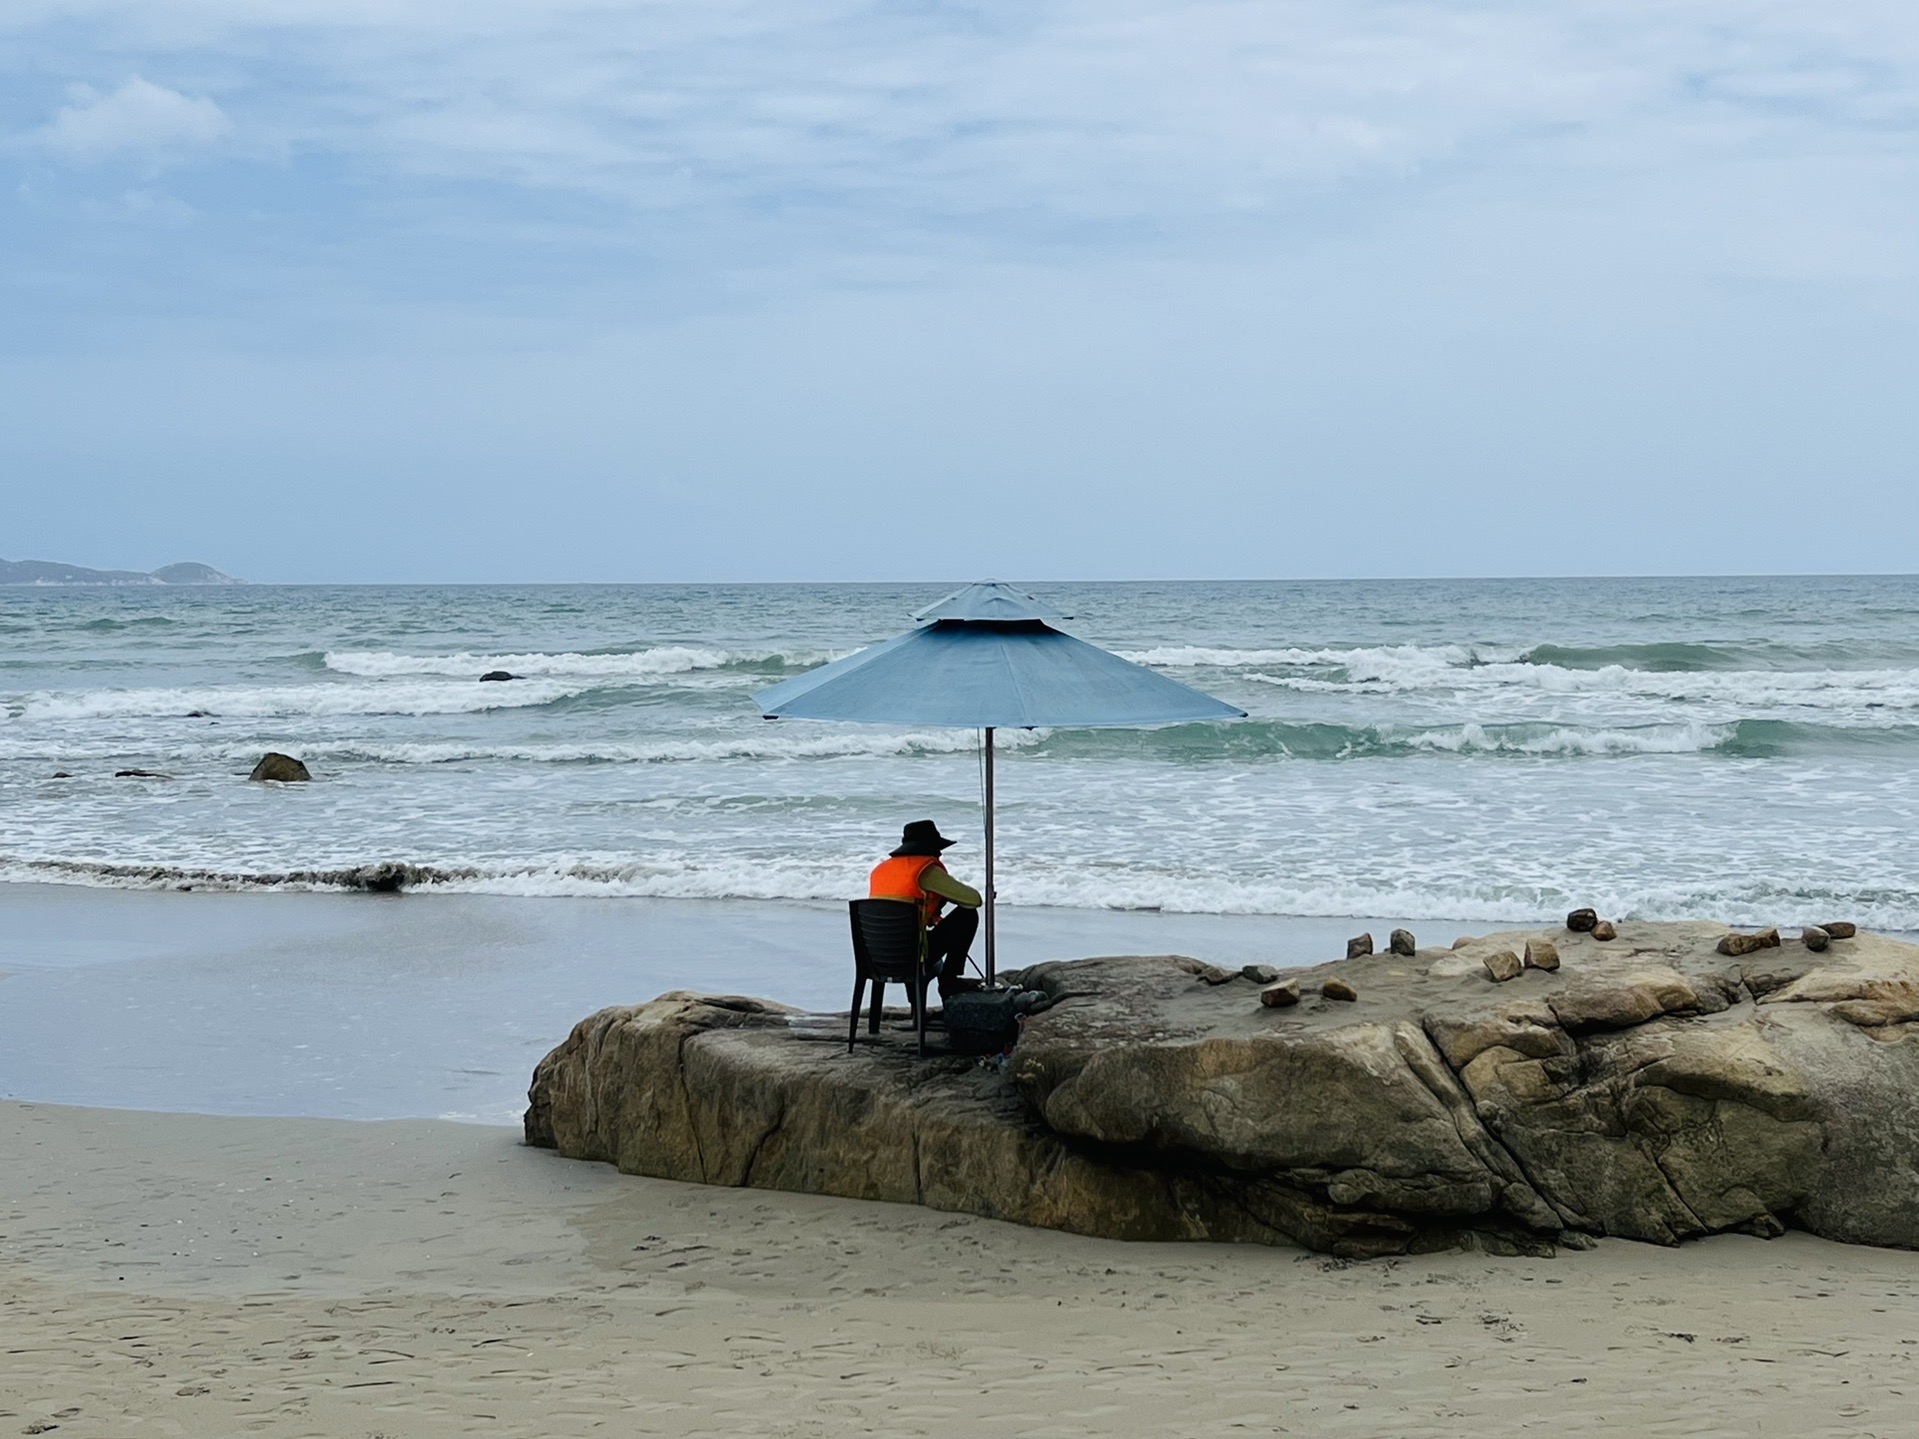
x,y
947,944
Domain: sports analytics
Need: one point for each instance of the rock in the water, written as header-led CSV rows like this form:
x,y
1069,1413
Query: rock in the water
x,y
1815,938
1402,942
1503,964
60,774
1736,944
140,774
1280,996
1359,945
1541,954
1840,929
1652,1095
1337,988
1604,930
1259,973
283,768
495,676
1581,921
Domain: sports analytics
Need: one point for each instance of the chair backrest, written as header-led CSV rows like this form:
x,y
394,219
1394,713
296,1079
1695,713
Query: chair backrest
x,y
887,937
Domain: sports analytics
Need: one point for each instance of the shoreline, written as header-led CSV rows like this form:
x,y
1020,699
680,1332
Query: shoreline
x,y
305,1277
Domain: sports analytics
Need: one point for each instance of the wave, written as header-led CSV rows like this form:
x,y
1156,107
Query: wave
x,y
1128,888
274,702
623,664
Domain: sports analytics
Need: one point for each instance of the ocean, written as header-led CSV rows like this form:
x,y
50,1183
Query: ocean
x,y
1485,750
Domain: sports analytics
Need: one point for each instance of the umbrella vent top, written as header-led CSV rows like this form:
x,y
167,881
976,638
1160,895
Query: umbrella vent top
x,y
989,602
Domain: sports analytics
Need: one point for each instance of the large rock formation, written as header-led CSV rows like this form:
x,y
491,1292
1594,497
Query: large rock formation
x,y
1650,1087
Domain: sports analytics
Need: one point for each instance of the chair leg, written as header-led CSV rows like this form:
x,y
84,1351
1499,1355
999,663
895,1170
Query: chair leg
x,y
853,1018
879,1000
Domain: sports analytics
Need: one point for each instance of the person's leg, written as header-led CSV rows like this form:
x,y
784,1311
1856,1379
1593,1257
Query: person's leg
x,y
947,945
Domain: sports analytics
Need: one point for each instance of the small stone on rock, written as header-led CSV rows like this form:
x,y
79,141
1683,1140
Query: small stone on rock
x,y
1361,945
1280,996
281,767
1260,973
1750,943
1841,929
1604,930
1581,921
1504,965
1338,989
1403,942
1815,938
1541,954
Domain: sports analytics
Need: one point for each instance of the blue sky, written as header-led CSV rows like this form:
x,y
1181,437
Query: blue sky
x,y
569,290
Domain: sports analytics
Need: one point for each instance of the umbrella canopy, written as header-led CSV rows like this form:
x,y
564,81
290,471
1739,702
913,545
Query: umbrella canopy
x,y
985,658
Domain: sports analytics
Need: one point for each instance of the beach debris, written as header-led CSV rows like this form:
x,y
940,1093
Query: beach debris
x,y
1541,954
1604,930
1259,973
1815,938
1359,946
1402,942
282,768
1503,965
1736,944
1210,973
1581,921
494,676
140,774
1840,928
1280,996
1338,989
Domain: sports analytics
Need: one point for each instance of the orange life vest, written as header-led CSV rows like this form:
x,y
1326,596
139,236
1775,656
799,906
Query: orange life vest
x,y
899,878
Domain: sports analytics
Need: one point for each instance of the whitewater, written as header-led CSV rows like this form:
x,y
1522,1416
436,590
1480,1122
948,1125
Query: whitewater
x,y
1479,750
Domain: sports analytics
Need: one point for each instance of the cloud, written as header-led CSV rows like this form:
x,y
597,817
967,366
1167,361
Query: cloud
x,y
140,118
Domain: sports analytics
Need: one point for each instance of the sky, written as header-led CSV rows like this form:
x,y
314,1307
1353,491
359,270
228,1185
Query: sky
x,y
576,290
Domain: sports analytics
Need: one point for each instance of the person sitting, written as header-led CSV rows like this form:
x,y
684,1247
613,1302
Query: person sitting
x,y
914,872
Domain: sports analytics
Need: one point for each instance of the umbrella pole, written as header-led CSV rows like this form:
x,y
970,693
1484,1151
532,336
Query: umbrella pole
x,y
990,969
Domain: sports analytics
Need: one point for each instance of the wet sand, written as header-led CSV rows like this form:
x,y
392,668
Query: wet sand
x,y
185,1275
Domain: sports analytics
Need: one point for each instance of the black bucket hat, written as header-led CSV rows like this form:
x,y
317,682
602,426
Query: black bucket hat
x,y
922,836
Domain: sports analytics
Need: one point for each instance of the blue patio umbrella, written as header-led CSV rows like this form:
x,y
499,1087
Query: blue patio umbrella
x,y
986,658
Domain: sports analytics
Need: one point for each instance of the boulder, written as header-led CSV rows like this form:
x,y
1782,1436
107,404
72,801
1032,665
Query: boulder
x,y
1840,928
1736,944
1503,964
1541,954
1359,945
1402,943
495,676
1581,921
1815,939
1259,973
280,768
1280,996
1604,930
1651,1089
1337,988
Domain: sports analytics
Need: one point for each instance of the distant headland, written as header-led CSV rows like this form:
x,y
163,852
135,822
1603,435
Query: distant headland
x,y
46,572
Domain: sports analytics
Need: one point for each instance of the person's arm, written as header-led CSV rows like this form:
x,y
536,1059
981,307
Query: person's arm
x,y
935,880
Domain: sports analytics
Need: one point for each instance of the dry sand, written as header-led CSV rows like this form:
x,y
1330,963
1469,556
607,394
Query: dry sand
x,y
173,1274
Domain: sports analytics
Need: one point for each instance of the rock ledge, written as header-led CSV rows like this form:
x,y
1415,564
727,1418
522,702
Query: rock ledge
x,y
1650,1088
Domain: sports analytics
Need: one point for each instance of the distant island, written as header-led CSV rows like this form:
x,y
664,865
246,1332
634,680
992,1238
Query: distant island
x,y
46,572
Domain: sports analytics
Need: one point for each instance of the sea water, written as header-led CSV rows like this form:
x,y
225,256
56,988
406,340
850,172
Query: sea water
x,y
1493,750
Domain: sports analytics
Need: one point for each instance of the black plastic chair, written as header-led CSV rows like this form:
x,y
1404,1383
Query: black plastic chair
x,y
889,943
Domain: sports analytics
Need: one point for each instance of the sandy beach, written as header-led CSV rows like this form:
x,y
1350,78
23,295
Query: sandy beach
x,y
177,1274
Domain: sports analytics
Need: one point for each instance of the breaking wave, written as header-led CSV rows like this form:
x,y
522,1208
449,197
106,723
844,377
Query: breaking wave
x,y
624,664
